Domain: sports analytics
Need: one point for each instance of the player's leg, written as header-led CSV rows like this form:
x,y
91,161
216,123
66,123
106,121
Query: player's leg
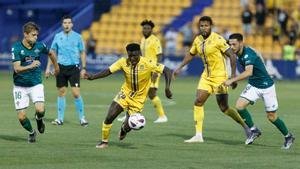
x,y
271,105
201,98
222,100
125,128
241,106
21,100
158,106
37,96
75,86
114,110
61,84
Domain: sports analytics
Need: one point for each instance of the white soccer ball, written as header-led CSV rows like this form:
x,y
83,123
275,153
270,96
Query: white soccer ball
x,y
136,121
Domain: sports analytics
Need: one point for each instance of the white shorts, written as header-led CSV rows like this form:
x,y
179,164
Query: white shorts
x,y
22,95
268,95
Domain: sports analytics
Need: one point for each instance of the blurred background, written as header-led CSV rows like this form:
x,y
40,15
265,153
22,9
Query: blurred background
x,y
270,26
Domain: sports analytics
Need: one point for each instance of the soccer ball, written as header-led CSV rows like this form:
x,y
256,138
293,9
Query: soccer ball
x,y
136,121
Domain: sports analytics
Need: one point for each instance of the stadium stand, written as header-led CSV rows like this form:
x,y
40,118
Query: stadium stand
x,y
121,24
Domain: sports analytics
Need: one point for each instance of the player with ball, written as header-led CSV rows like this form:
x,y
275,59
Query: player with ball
x,y
137,72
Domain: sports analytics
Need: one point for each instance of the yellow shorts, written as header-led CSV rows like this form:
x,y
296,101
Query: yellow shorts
x,y
213,85
132,105
155,84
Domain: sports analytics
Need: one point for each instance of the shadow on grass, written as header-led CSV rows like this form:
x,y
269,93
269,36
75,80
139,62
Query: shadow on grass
x,y
123,145
12,138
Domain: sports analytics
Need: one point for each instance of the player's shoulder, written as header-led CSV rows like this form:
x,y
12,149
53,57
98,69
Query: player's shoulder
x,y
154,38
40,44
217,36
251,51
17,45
75,34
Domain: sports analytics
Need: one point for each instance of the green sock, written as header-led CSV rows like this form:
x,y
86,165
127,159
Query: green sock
x,y
39,115
281,126
247,117
27,125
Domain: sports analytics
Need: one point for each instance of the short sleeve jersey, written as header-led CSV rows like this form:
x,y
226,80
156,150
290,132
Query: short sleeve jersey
x,y
138,77
260,77
26,56
68,48
151,47
211,51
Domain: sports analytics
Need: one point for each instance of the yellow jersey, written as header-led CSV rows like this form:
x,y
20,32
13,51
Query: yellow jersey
x,y
151,47
211,51
138,77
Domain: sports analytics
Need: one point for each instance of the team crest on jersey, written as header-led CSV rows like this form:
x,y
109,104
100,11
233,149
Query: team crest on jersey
x,y
142,67
37,51
22,52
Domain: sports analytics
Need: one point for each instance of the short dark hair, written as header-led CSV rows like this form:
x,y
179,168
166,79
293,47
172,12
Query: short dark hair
x,y
66,17
30,26
237,36
206,18
148,22
133,47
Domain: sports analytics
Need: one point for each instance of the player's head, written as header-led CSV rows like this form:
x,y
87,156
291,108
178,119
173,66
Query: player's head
x,y
67,23
134,53
30,32
148,26
236,42
205,25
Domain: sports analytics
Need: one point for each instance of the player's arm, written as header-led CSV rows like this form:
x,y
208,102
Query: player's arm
x,y
168,76
83,63
187,59
248,72
101,74
232,57
20,69
52,59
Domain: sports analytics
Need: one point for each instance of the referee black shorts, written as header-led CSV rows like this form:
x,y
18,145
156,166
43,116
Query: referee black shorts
x,y
67,74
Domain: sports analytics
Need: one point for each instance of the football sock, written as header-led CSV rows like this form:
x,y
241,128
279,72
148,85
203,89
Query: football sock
x,y
158,106
247,117
61,106
281,126
235,116
26,125
105,131
198,118
79,107
39,115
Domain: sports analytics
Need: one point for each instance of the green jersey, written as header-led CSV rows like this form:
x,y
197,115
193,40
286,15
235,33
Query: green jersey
x,y
260,78
26,56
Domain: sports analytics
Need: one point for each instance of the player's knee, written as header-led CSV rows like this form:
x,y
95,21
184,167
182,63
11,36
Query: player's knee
x,y
223,108
21,116
151,95
62,92
239,106
199,102
271,116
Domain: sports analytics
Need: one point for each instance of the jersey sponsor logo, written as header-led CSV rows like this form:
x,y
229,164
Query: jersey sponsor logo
x,y
37,51
142,67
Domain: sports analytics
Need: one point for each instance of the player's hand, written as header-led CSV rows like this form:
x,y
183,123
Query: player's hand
x,y
35,64
88,76
82,73
234,85
168,93
56,70
47,73
175,73
154,77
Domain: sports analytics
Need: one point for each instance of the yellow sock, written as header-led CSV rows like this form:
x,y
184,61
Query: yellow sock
x,y
158,106
235,116
199,117
105,131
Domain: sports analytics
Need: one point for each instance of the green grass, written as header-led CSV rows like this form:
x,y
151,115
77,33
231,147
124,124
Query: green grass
x,y
157,146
